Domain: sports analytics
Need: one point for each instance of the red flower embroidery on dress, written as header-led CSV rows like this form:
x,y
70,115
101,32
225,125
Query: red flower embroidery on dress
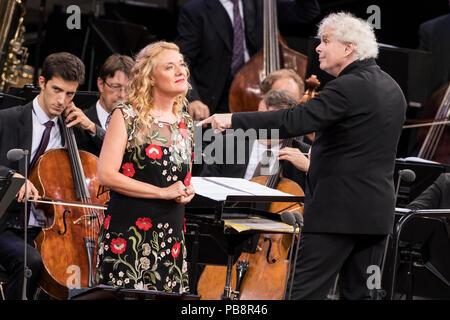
x,y
184,225
183,131
118,245
187,179
176,249
153,151
106,222
144,223
128,169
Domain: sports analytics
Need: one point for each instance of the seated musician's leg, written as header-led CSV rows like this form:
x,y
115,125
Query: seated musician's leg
x,y
319,259
12,259
363,262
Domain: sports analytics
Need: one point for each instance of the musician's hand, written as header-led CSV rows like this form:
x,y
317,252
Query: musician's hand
x,y
198,110
31,190
178,189
76,117
296,157
219,121
186,199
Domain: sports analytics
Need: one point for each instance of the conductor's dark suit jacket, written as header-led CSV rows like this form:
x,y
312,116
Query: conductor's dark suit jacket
x,y
16,132
205,38
357,118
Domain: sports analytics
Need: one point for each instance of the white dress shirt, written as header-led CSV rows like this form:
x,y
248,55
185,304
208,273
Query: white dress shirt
x,y
102,114
256,156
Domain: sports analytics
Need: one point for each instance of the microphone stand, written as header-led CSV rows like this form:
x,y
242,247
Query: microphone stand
x,y
290,261
300,225
26,271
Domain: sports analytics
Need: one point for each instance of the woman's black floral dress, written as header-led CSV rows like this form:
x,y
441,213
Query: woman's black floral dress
x,y
141,243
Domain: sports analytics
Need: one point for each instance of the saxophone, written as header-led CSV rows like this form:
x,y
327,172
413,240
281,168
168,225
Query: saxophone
x,y
13,55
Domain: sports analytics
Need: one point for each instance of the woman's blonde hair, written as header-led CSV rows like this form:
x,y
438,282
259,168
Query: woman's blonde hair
x,y
140,94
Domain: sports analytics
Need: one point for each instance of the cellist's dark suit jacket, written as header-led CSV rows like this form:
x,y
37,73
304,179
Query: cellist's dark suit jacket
x,y
238,170
357,119
436,196
16,132
85,140
205,38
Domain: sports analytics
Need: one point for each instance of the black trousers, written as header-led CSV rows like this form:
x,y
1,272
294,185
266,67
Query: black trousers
x,y
12,260
322,256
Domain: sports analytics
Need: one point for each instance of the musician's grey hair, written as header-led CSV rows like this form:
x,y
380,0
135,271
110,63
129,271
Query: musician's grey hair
x,y
349,29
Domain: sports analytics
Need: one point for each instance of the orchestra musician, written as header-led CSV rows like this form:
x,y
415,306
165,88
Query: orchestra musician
x,y
112,83
260,152
349,194
436,196
35,127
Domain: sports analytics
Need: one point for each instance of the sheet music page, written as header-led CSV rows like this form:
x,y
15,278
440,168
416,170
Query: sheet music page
x,y
417,159
257,223
218,188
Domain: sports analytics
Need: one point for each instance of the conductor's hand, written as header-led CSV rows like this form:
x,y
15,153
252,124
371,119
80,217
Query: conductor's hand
x,y
76,117
219,121
31,190
198,110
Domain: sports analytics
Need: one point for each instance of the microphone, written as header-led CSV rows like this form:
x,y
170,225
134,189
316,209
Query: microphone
x,y
288,218
299,221
16,155
407,175
298,218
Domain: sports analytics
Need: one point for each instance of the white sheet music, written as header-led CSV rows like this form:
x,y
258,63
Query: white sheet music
x,y
218,188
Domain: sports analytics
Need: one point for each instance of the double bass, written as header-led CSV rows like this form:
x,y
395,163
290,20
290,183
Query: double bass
x,y
68,242
245,91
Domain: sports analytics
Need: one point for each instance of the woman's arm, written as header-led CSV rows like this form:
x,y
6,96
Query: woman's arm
x,y
110,161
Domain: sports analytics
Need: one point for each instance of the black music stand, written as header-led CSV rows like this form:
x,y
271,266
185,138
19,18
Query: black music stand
x,y
82,99
104,37
226,243
420,252
9,100
426,174
8,190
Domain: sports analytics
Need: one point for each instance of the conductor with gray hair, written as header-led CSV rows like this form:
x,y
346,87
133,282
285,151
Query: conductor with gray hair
x,y
349,195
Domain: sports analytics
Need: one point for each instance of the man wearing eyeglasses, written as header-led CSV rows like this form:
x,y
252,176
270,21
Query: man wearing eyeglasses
x,y
112,85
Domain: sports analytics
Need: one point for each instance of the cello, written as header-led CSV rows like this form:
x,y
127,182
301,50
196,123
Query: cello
x,y
245,91
68,242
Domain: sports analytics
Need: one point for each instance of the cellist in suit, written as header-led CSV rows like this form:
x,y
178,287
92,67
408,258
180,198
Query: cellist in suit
x,y
35,127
